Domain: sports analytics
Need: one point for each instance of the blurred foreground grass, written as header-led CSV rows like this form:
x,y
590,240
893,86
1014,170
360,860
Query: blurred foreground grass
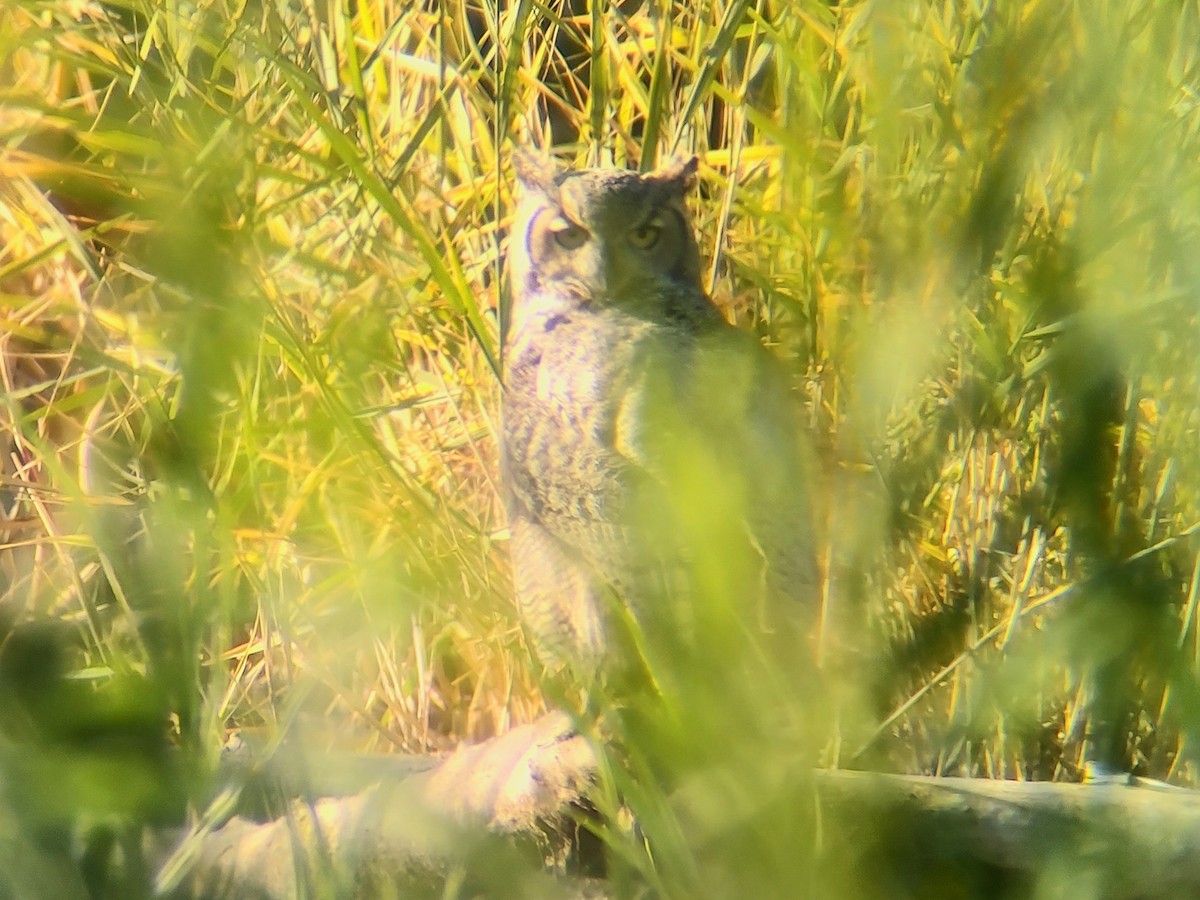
x,y
249,273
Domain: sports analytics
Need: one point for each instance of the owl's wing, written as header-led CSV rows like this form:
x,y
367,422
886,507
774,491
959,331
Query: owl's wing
x,y
712,422
662,463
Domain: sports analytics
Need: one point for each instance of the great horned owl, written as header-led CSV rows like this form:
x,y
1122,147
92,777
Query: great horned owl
x,y
644,437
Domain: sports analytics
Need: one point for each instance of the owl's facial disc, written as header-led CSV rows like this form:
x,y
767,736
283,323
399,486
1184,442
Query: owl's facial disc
x,y
607,252
609,237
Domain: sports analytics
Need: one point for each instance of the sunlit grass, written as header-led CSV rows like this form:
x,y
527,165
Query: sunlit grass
x,y
250,274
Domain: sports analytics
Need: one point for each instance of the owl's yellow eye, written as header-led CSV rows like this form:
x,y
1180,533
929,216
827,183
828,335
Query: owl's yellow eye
x,y
568,235
646,236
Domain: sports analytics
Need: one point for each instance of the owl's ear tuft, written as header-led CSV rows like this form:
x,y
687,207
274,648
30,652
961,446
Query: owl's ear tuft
x,y
679,173
534,172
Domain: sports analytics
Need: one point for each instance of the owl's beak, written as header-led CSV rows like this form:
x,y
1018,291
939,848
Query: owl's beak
x,y
593,271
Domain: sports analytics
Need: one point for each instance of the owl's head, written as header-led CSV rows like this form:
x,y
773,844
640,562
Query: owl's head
x,y
604,236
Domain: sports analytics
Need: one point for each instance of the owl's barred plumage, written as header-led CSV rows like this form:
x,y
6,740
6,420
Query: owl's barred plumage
x,y
642,434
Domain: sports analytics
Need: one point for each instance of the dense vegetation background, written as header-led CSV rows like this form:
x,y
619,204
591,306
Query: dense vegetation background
x,y
250,280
